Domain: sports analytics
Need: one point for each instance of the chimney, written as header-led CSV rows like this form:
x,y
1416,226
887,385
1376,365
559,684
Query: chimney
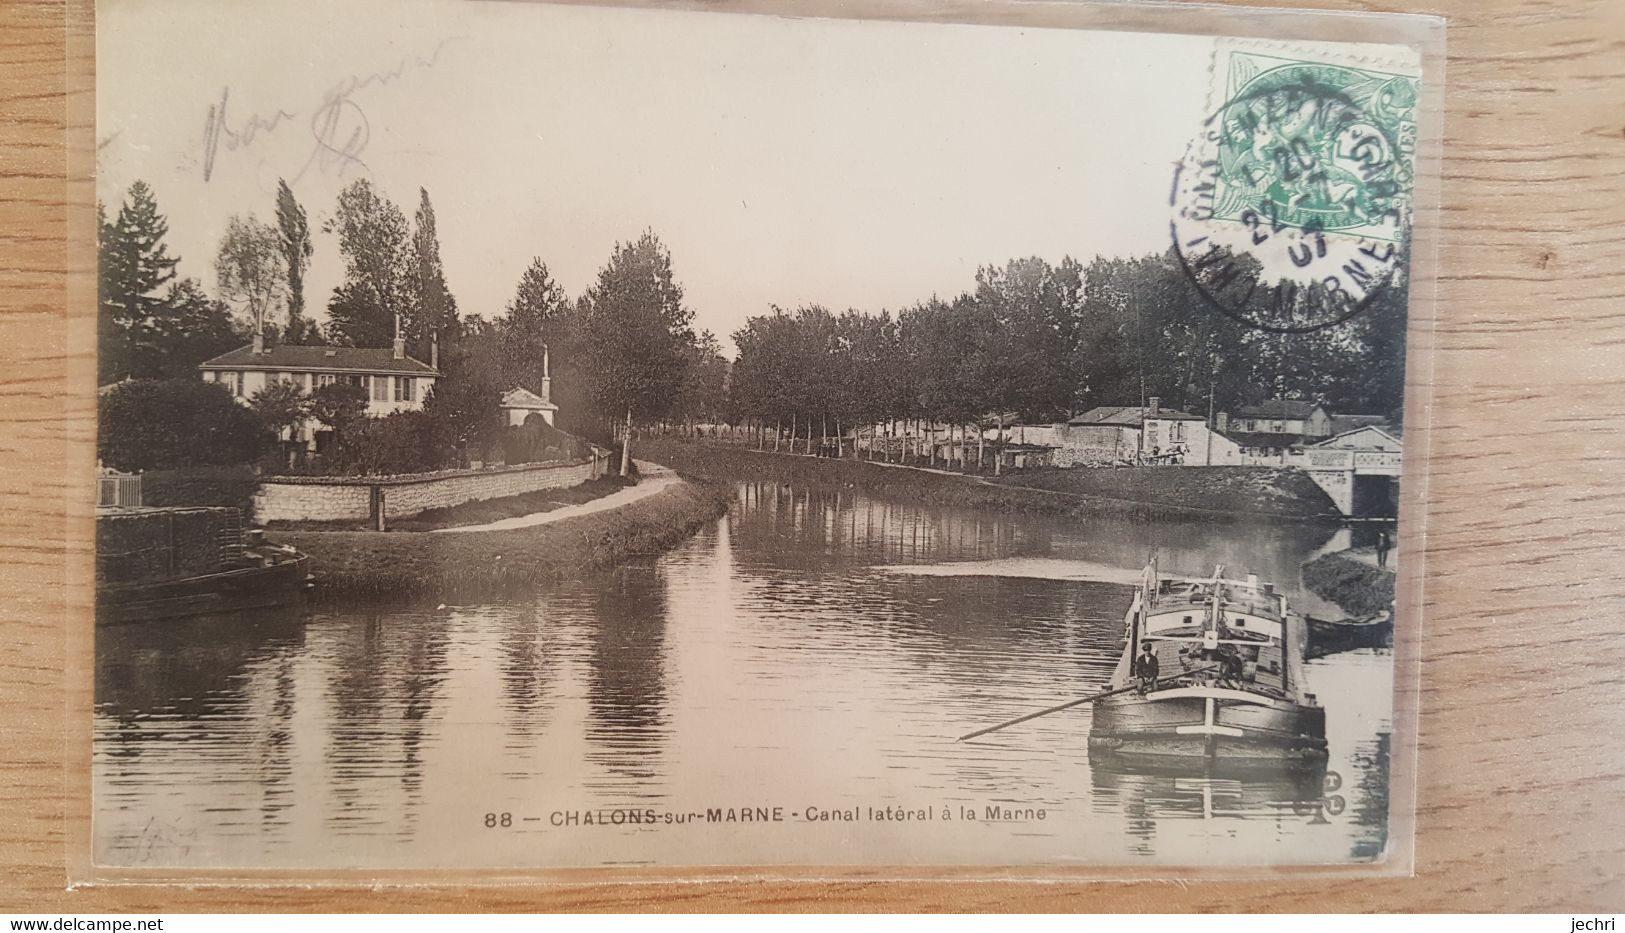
x,y
547,375
400,348
434,352
1154,406
1222,422
259,343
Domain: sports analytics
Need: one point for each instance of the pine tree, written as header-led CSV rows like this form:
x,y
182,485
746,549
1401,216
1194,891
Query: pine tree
x,y
538,317
140,263
112,358
145,330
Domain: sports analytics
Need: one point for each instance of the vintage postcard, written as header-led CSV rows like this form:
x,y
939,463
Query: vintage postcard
x,y
539,437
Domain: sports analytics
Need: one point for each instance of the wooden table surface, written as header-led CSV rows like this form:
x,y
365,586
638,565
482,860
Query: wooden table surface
x,y
1521,792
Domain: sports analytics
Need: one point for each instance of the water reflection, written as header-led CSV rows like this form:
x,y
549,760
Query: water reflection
x,y
626,692
816,649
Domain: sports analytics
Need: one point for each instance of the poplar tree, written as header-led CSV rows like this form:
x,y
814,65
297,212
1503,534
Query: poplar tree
x,y
294,230
433,311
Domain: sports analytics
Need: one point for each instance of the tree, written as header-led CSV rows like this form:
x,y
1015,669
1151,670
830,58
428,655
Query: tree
x,y
705,386
433,314
281,405
356,319
112,333
339,405
1035,309
293,229
376,243
251,270
161,425
401,442
137,263
464,414
197,328
539,316
134,265
635,330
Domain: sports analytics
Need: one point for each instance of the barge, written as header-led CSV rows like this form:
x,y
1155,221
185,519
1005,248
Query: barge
x,y
167,563
1211,672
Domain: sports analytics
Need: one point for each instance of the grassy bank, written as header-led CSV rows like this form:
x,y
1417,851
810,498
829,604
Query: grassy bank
x,y
1359,588
1143,493
479,564
1253,490
479,512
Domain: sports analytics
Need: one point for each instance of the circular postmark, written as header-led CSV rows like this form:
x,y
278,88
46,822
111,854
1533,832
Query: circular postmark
x,y
1291,209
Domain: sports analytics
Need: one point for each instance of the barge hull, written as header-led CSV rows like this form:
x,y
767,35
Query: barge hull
x,y
1206,728
279,584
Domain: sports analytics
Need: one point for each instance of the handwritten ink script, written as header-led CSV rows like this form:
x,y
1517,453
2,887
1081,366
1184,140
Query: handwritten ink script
x,y
339,128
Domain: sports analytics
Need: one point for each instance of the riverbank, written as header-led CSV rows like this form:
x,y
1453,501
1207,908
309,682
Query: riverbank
x,y
507,561
478,512
653,478
1357,587
1219,494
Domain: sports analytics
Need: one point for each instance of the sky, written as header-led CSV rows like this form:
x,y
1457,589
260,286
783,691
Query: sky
x,y
783,161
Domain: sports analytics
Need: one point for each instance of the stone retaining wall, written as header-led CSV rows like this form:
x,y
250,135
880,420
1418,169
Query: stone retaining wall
x,y
351,498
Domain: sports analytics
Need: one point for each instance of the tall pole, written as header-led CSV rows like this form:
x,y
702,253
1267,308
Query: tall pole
x,y
1139,335
1211,387
626,444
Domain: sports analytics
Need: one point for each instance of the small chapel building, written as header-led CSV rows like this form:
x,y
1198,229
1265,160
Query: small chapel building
x,y
519,403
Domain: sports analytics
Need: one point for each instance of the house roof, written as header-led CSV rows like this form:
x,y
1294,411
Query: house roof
x,y
1342,439
521,397
320,359
1264,439
1295,409
1343,423
1132,416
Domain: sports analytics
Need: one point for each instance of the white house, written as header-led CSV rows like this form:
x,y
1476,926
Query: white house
x,y
1297,418
393,381
1117,433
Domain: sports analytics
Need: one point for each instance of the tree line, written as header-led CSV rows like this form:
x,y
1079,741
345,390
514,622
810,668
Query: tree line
x,y
625,351
1037,343
1031,341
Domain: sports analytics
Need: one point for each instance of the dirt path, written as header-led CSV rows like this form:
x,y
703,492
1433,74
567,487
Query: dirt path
x,y
652,479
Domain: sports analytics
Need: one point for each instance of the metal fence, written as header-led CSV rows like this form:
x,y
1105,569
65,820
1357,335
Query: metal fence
x,y
118,489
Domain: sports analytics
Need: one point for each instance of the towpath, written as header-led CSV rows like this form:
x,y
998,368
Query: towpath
x,y
652,478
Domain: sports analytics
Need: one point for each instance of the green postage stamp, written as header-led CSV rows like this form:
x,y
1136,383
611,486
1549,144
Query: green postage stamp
x,y
1292,205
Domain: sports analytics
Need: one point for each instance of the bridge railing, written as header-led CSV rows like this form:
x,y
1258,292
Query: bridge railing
x,y
1377,459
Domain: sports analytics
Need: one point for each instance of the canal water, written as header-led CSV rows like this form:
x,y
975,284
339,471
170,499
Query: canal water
x,y
761,695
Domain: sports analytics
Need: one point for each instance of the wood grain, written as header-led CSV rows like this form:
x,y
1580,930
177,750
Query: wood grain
x,y
1521,791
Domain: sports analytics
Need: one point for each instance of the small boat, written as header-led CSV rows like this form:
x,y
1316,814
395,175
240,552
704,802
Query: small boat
x,y
168,563
1229,685
1330,636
